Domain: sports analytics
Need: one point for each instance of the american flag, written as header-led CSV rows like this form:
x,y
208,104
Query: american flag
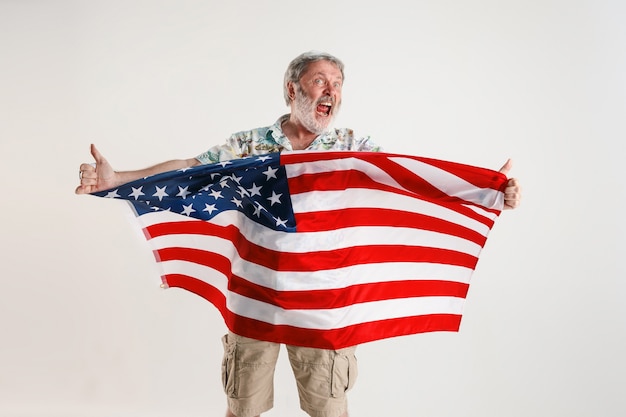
x,y
322,249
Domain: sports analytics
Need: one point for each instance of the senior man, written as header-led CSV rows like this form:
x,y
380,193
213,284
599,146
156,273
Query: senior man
x,y
312,88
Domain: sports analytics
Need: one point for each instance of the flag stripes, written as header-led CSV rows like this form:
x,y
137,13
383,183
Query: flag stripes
x,y
383,245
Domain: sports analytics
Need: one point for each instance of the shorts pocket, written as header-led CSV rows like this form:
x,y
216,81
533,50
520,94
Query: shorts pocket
x,y
344,372
228,367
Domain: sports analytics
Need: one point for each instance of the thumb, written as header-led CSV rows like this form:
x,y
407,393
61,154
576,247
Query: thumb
x,y
97,156
506,167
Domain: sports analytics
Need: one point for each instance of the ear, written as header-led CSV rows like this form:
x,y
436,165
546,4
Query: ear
x,y
291,89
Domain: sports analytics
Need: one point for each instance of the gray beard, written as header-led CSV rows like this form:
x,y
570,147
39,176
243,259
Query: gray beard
x,y
304,110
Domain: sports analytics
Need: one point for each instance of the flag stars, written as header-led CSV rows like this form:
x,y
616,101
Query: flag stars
x,y
187,210
112,194
216,194
237,202
242,192
210,208
257,209
136,192
275,198
183,192
270,172
280,222
160,192
255,190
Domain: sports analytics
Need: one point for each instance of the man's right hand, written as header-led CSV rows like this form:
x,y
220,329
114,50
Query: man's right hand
x,y
96,178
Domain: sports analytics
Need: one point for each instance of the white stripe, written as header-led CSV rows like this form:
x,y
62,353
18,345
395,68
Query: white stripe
x,y
302,242
450,183
322,318
328,279
315,201
150,219
337,200
203,273
337,239
487,214
443,180
342,164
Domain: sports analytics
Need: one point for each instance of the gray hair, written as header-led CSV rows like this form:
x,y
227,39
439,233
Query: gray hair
x,y
299,65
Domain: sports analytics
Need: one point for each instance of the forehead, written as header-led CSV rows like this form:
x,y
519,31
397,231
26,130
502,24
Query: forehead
x,y
325,68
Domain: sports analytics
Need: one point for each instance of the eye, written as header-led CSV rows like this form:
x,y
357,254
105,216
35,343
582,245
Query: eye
x,y
319,81
337,85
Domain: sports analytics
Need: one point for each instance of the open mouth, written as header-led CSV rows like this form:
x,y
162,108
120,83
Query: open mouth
x,y
324,108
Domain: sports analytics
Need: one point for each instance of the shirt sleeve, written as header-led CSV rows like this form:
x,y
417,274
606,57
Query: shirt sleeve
x,y
217,153
366,144
232,149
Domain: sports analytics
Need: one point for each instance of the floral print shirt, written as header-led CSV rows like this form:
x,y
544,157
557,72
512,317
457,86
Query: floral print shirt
x,y
272,139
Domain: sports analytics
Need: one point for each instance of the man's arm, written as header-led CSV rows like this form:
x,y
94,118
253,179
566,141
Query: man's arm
x,y
103,177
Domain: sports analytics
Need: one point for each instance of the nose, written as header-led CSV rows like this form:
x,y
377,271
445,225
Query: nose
x,y
332,91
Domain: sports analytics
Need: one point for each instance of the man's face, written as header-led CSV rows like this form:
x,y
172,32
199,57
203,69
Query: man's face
x,y
318,96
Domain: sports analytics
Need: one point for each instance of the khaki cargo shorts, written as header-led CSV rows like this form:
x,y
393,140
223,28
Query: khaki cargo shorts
x,y
322,376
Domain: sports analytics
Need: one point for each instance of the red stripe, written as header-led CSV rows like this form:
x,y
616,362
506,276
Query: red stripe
x,y
326,221
347,336
324,260
342,297
314,299
326,298
416,186
311,261
353,217
323,339
418,189
477,176
198,227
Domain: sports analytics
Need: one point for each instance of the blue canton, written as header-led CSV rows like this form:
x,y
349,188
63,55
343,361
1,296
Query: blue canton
x,y
255,186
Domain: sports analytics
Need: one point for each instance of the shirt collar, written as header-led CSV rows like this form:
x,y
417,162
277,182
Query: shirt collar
x,y
277,134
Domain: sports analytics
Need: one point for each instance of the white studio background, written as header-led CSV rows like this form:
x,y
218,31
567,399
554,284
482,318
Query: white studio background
x,y
85,330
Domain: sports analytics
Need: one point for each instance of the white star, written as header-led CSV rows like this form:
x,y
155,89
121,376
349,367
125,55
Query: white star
x,y
264,158
209,207
255,190
242,192
236,178
237,202
160,192
225,163
183,192
257,210
112,194
184,169
224,183
216,194
187,210
136,192
271,172
275,198
280,222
